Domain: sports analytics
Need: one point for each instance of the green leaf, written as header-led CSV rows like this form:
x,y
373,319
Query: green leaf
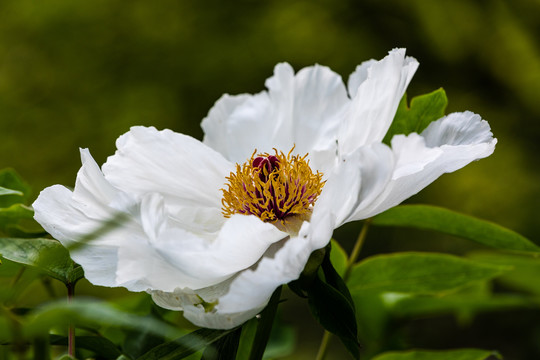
x,y
264,328
281,343
99,345
418,273
9,179
423,110
246,339
17,220
47,255
224,348
453,223
6,191
91,314
185,346
139,341
525,273
459,304
338,257
335,313
461,354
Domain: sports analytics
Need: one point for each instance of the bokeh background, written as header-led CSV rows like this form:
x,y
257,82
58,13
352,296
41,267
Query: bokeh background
x,y
80,73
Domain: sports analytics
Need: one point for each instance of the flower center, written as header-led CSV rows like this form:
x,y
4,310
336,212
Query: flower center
x,y
274,187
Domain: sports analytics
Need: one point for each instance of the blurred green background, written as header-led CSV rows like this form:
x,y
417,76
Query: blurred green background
x,y
79,74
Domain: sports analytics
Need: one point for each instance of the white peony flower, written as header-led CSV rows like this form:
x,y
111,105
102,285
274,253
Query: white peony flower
x,y
216,226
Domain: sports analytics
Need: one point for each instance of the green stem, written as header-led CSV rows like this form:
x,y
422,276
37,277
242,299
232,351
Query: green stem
x,y
357,248
71,329
323,348
325,341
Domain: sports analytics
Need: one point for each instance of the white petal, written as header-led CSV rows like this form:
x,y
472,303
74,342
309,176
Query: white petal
x,y
379,88
302,111
240,243
359,75
186,172
312,109
252,288
194,310
69,216
355,180
215,124
445,146
245,295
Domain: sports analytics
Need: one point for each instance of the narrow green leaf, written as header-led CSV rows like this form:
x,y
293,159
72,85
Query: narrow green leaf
x,y
224,348
264,327
47,255
423,110
282,342
334,280
335,313
418,273
91,314
453,223
461,354
6,191
99,345
139,341
185,346
246,339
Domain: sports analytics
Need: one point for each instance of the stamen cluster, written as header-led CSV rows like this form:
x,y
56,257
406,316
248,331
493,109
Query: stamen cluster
x,y
272,187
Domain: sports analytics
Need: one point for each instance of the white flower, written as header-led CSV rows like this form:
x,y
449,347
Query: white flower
x,y
219,262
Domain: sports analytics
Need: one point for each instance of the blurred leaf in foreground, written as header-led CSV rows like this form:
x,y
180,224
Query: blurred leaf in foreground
x,y
461,354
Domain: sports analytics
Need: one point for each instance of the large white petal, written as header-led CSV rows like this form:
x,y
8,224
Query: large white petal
x,y
240,243
377,88
216,124
69,216
186,172
355,180
245,124
446,145
311,106
302,110
245,295
169,163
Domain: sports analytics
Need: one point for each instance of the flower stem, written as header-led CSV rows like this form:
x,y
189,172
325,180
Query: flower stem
x,y
356,250
325,341
323,348
71,329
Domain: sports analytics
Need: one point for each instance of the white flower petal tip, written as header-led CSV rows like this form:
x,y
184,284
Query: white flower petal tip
x,y
197,247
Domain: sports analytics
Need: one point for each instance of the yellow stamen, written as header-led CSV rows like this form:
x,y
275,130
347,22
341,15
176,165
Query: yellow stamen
x,y
272,187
